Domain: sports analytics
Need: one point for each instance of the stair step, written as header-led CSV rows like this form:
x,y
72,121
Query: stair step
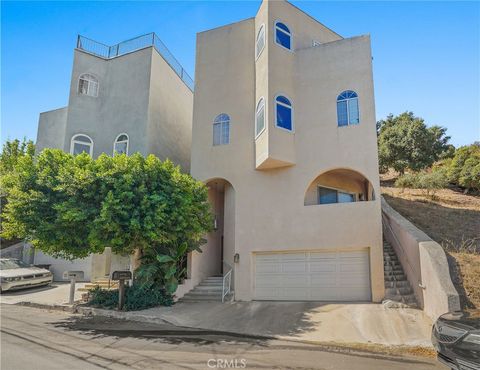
x,y
207,290
189,298
205,293
395,277
403,291
397,284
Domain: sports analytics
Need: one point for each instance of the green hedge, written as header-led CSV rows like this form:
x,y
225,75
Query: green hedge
x,y
136,298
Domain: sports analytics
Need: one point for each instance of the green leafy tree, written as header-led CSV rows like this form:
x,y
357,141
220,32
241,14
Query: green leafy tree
x,y
405,142
12,152
71,206
464,167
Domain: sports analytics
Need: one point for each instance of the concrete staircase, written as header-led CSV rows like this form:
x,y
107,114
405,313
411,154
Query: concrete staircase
x,y
102,283
209,289
397,287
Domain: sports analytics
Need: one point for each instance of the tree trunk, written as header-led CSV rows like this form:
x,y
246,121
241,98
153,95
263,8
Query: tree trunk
x,y
136,259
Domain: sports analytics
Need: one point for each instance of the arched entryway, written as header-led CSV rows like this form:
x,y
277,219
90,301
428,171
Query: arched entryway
x,y
221,240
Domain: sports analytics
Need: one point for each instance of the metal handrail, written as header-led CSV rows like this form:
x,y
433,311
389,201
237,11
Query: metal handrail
x,y
227,277
128,46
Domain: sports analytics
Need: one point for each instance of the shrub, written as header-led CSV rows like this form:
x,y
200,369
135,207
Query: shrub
x,y
430,182
136,298
408,180
464,168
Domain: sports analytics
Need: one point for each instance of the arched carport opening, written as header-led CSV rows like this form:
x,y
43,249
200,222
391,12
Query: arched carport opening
x,y
339,185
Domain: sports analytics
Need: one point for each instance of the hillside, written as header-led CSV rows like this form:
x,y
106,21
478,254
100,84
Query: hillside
x,y
453,220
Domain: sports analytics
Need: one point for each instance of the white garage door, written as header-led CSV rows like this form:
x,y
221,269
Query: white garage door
x,y
313,276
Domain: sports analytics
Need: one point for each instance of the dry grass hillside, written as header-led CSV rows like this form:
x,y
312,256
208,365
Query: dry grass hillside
x,y
453,220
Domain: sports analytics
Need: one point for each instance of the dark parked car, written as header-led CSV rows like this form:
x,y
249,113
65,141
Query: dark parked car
x,y
456,337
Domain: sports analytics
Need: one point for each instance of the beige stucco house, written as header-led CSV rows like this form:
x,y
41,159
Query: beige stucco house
x,y
130,97
284,137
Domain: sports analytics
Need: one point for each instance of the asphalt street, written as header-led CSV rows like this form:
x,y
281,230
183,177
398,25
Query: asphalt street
x,y
39,339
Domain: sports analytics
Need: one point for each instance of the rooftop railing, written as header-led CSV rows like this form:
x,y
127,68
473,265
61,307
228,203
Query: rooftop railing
x,y
128,46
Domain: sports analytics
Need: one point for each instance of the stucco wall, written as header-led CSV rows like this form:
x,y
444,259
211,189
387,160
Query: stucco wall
x,y
121,105
59,265
169,114
269,204
424,262
51,129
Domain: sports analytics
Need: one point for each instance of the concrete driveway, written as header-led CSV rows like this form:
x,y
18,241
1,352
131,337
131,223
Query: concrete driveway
x,y
305,321
55,294
51,340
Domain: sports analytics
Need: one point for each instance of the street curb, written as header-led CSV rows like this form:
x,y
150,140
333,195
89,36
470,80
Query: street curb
x,y
64,308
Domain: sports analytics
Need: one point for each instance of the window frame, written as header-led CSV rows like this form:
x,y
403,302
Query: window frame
x,y
259,52
123,141
90,81
221,124
73,142
261,100
346,100
355,195
290,34
291,112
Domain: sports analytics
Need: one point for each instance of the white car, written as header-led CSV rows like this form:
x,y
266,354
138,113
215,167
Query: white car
x,y
16,274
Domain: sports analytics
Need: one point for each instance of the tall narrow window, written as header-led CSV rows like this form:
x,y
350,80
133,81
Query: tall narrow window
x,y
347,108
81,144
88,85
221,129
260,42
260,117
283,36
120,145
283,114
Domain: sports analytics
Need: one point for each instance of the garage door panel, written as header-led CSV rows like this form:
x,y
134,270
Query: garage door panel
x,y
293,256
269,268
295,281
294,266
323,267
318,276
323,280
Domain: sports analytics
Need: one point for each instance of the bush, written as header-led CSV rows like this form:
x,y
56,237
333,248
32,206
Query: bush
x,y
464,168
428,181
408,180
136,298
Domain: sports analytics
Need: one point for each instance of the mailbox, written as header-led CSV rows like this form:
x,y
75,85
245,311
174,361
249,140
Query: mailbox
x,y
77,275
122,275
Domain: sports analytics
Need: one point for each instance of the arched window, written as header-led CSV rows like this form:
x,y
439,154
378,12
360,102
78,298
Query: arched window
x,y
347,108
120,145
221,129
283,36
260,117
283,113
260,42
88,85
81,143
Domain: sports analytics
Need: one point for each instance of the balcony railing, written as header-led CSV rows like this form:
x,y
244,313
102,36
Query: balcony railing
x,y
128,46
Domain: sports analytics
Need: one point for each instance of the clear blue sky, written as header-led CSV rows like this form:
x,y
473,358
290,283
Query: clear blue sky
x,y
426,54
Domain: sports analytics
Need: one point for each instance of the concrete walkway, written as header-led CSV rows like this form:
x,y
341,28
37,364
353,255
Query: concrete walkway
x,y
53,295
311,322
